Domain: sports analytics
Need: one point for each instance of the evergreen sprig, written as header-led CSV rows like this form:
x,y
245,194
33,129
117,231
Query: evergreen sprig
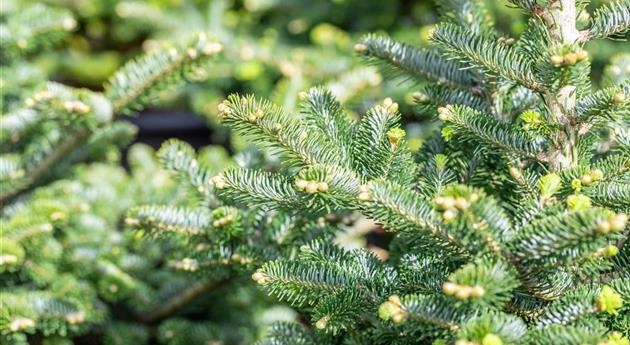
x,y
460,222
400,59
141,81
610,19
34,28
495,58
504,242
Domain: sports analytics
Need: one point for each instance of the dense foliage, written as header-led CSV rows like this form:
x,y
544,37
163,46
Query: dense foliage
x,y
503,219
517,238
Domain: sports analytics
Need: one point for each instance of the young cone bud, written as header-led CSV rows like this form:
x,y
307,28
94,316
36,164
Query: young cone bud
x,y
444,114
557,60
463,292
449,215
619,98
477,291
461,203
259,277
360,48
311,188
618,222
582,55
322,323
449,288
604,227
570,59
322,187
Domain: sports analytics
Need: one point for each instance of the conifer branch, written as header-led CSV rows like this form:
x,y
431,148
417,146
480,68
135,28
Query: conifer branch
x,y
583,235
611,103
180,158
182,299
79,111
270,127
372,146
496,58
469,13
257,188
509,228
322,111
609,20
303,284
36,27
286,333
402,210
613,194
169,219
432,311
42,167
475,126
400,59
142,80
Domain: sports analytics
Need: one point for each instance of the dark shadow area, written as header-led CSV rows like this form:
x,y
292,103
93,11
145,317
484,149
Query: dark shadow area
x,y
156,126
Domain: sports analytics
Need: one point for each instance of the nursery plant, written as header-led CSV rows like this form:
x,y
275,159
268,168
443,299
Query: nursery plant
x,y
509,227
68,273
63,260
46,125
64,266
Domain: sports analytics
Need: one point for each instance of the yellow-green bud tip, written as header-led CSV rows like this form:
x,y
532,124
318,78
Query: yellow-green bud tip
x,y
394,135
491,339
577,202
611,250
615,338
387,310
549,184
609,301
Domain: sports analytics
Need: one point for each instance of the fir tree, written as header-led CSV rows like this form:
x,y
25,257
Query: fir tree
x,y
60,261
509,227
56,124
67,272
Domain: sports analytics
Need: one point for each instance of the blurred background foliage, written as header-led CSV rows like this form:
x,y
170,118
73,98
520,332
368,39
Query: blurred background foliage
x,y
274,48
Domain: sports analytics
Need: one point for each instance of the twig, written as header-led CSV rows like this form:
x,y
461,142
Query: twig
x,y
177,302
